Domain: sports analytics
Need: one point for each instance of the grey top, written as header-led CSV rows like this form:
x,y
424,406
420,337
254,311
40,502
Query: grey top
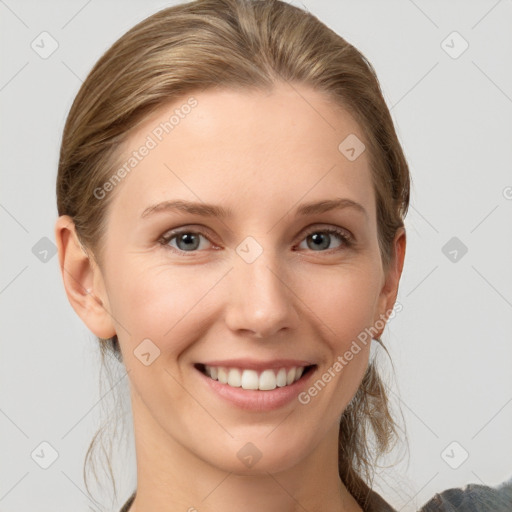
x,y
471,498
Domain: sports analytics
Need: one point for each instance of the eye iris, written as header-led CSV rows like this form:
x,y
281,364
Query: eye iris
x,y
318,238
191,241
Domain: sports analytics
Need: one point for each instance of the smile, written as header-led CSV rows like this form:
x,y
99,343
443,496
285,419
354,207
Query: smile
x,y
265,380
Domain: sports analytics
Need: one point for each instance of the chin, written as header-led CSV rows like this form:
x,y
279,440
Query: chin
x,y
261,456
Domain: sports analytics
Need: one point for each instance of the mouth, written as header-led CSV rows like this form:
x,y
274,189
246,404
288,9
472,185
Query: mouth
x,y
250,379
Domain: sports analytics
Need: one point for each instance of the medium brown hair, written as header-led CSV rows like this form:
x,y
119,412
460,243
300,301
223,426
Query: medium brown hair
x,y
236,44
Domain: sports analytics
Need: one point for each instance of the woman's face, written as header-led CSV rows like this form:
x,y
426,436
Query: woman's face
x,y
267,285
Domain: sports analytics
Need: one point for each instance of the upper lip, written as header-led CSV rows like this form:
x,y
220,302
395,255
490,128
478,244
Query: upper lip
x,y
251,364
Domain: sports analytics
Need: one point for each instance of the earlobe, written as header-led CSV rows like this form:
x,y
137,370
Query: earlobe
x,y
82,280
389,290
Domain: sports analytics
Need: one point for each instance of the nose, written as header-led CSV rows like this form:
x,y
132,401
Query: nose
x,y
261,300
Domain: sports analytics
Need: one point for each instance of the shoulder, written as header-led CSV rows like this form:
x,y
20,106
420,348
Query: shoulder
x,y
472,498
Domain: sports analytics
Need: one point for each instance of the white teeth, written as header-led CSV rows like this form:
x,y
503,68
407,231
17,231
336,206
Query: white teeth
x,y
281,378
267,380
249,379
234,378
222,375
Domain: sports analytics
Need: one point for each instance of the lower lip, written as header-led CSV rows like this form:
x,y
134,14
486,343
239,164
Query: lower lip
x,y
256,400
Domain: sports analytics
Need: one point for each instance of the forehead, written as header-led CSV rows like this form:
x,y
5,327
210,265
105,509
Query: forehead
x,y
245,147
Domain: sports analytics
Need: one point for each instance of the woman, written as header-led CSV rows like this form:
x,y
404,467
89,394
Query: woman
x,y
231,193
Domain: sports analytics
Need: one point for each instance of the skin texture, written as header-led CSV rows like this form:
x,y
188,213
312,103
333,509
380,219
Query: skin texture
x,y
261,155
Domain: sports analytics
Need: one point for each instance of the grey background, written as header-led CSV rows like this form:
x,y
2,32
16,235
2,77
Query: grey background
x,y
451,344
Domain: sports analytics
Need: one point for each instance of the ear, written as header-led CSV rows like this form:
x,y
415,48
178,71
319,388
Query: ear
x,y
389,291
83,280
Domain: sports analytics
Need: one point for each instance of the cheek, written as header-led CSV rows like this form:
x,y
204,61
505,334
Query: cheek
x,y
159,303
342,301
337,304
344,306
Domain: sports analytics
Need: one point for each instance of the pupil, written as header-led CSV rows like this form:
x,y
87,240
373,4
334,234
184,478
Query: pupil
x,y
318,239
188,239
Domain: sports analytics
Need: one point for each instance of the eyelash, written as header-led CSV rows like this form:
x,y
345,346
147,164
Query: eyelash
x,y
346,239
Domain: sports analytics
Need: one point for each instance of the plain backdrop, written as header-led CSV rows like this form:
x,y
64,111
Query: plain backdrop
x,y
450,95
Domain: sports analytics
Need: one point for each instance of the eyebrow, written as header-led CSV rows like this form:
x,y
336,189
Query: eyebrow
x,y
211,210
